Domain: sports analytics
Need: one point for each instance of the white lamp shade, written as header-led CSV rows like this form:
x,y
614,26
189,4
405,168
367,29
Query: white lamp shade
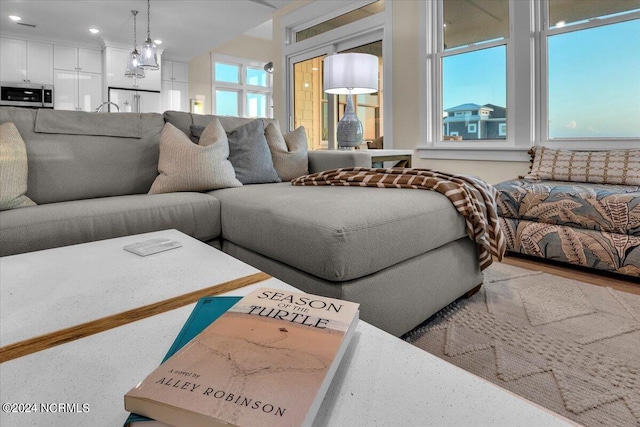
x,y
355,73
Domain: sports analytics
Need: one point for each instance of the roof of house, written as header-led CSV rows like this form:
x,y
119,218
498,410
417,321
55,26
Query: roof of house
x,y
468,107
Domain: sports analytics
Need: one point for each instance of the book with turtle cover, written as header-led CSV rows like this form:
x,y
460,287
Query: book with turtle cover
x,y
207,310
266,361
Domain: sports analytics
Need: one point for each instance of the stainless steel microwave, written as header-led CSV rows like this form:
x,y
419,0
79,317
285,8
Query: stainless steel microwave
x,y
26,95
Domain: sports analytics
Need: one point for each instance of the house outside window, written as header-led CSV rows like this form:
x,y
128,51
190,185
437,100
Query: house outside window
x,y
241,87
475,121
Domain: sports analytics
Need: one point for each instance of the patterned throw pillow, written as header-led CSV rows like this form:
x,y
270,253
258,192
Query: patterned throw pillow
x,y
13,169
289,152
598,167
185,166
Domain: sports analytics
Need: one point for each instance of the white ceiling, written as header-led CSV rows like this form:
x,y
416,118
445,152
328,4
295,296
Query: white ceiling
x,y
188,28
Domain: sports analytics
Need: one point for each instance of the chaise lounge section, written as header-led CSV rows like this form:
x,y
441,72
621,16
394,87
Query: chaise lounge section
x,y
402,254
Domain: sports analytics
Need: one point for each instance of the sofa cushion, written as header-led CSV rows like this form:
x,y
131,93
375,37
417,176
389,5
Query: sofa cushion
x,y
185,166
606,167
13,169
289,152
611,252
603,207
68,223
105,165
337,233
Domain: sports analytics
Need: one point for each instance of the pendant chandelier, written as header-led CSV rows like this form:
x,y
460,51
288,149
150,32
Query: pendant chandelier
x,y
133,60
149,57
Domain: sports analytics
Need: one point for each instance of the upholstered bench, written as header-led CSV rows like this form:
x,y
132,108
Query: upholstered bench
x,y
553,213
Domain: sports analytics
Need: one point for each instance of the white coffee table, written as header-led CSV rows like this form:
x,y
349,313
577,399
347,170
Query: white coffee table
x,y
381,381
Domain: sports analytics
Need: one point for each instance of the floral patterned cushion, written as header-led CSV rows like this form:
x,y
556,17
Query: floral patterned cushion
x,y
610,208
605,167
612,252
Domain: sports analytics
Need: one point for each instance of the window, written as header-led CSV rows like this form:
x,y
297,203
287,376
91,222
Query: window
x,y
241,87
342,20
257,77
227,103
256,104
563,73
472,57
592,73
324,28
227,73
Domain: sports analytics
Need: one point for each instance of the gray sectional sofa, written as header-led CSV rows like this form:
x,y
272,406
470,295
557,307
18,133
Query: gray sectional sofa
x,y
402,254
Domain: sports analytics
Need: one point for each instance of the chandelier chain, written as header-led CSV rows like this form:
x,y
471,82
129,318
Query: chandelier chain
x,y
148,19
135,42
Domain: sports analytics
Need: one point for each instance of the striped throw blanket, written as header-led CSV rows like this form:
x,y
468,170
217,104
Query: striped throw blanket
x,y
473,198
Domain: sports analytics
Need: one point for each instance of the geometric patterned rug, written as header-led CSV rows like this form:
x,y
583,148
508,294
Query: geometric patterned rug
x,y
569,346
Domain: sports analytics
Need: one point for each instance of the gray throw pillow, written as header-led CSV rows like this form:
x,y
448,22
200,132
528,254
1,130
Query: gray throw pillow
x,y
248,153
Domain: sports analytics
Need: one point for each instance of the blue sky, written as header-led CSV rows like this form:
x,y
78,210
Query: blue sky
x,y
594,81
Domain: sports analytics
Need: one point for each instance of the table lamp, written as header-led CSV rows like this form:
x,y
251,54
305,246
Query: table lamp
x,y
350,74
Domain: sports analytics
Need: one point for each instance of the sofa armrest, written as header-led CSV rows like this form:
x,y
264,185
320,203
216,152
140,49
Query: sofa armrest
x,y
323,160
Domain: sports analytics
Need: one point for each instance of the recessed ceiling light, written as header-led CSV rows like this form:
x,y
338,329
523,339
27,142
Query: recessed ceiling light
x,y
561,24
94,30
157,41
14,18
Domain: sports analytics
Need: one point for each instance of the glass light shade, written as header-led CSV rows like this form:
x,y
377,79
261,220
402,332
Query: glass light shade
x,y
148,56
350,73
133,68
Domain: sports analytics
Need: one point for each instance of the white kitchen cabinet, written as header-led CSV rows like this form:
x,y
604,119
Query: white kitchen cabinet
x,y
175,71
175,86
77,90
77,78
65,90
116,63
90,61
77,59
175,96
89,91
26,61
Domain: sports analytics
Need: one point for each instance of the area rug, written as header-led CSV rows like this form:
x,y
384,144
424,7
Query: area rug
x,y
571,347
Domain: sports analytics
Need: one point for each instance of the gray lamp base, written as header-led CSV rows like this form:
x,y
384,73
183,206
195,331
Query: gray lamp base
x,y
349,132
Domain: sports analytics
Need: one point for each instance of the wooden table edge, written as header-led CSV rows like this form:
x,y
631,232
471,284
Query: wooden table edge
x,y
52,339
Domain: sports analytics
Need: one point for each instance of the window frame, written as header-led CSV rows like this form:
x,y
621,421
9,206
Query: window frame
x,y
243,88
599,143
527,90
366,30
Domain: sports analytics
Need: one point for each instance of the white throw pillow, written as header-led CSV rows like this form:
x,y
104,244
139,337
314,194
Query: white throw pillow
x,y
185,166
13,169
289,152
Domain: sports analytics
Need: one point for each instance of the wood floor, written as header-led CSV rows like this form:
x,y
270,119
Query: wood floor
x,y
621,283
